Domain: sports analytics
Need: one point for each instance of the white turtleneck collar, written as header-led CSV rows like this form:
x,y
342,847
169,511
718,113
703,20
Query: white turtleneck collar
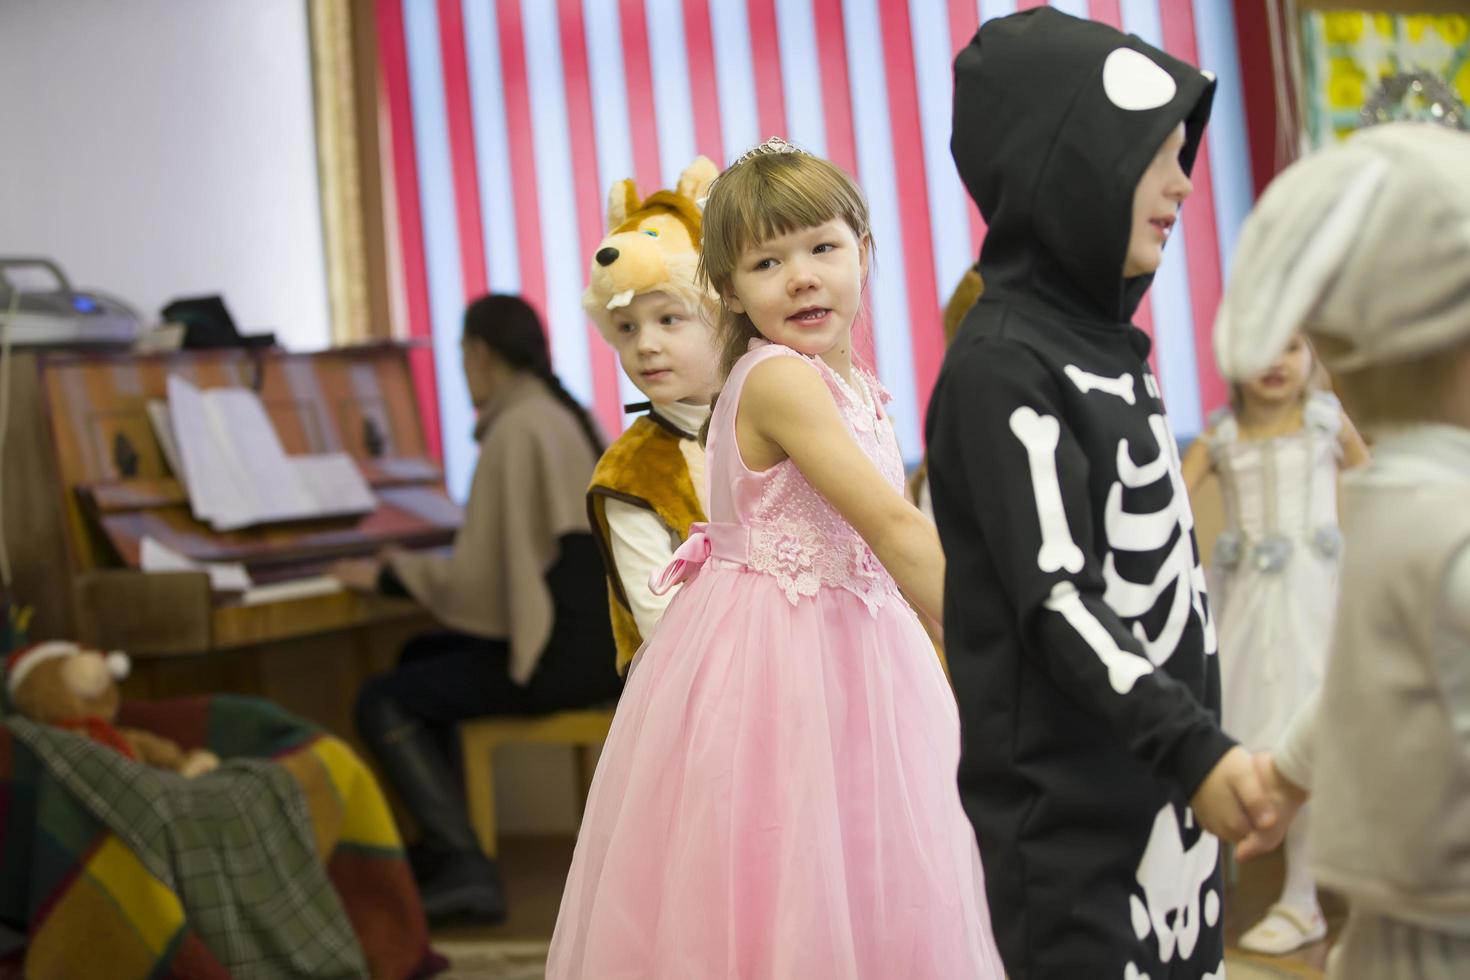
x,y
688,418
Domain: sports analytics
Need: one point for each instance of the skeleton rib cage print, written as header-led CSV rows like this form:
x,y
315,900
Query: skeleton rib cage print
x,y
1166,530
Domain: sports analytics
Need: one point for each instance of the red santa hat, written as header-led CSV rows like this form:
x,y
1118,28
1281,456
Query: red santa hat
x,y
26,659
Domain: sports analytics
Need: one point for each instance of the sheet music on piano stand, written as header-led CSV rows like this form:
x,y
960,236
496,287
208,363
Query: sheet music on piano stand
x,y
236,472
110,466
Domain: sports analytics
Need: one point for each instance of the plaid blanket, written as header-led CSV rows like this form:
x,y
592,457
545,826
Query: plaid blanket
x,y
289,867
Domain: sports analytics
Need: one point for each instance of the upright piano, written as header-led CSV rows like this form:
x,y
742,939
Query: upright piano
x,y
85,480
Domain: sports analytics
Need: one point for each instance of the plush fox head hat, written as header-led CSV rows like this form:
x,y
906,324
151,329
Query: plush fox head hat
x,y
652,245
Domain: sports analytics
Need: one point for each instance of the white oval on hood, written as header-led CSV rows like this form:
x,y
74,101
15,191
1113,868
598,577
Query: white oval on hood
x,y
1132,81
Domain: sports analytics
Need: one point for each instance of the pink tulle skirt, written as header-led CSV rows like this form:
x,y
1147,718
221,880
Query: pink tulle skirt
x,y
777,799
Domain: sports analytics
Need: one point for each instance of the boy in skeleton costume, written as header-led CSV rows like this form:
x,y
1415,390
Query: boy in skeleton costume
x,y
1079,635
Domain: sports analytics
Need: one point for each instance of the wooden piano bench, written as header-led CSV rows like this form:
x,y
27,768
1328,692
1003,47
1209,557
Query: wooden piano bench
x,y
586,730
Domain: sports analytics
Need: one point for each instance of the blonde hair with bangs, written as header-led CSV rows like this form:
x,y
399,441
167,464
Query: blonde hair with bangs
x,y
697,301
763,195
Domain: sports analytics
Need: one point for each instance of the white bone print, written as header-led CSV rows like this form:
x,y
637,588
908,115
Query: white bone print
x,y
1161,647
1124,668
1040,435
1131,599
1140,533
1172,879
1136,475
1086,381
1202,608
1186,523
1169,446
1128,531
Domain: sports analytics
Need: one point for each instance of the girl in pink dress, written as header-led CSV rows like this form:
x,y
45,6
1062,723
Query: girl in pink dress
x,y
777,796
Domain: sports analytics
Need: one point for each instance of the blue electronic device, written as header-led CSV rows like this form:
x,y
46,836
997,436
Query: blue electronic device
x,y
45,311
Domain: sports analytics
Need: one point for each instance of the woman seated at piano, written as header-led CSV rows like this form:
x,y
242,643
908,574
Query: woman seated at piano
x,y
522,598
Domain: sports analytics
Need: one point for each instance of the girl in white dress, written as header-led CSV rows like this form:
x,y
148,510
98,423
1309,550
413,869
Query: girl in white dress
x,y
1273,579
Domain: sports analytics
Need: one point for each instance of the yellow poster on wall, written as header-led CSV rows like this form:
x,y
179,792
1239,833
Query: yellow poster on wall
x,y
1362,66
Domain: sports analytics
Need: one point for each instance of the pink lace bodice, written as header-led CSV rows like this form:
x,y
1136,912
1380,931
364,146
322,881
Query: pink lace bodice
x,y
773,521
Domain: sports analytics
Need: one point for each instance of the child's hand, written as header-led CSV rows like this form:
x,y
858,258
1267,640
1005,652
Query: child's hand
x,y
1231,802
1287,797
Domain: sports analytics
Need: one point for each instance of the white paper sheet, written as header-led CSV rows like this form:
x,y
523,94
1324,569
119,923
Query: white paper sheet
x,y
334,484
163,431
238,474
223,577
296,588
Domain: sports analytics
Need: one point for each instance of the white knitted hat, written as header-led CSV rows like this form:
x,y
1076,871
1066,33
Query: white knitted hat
x,y
1366,242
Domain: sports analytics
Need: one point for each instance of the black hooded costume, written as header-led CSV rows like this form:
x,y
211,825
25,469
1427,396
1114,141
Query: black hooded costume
x,y
1076,624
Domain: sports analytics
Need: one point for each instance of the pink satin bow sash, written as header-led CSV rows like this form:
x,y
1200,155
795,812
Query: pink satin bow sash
x,y
725,541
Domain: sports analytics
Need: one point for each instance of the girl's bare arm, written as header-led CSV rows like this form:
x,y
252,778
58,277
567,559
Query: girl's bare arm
x,y
786,410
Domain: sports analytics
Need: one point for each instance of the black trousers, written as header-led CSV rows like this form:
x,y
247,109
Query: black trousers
x,y
408,715
446,677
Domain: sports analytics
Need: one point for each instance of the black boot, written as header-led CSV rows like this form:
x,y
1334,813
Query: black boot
x,y
456,880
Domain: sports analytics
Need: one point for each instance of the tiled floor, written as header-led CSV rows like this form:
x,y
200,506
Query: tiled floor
x,y
534,868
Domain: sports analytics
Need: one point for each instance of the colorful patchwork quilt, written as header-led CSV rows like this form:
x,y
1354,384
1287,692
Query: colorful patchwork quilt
x,y
284,862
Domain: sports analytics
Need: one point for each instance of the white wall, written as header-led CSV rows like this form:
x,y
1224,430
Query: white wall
x,y
162,148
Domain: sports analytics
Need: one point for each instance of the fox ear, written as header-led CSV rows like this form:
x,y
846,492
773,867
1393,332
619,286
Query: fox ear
x,y
622,201
695,180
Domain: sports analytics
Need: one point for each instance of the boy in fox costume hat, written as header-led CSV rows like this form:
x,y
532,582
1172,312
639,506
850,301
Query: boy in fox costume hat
x,y
650,484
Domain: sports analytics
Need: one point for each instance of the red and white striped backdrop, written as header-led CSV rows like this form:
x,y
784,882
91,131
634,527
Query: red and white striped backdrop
x,y
509,119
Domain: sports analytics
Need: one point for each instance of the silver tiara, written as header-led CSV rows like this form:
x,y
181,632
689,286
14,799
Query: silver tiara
x,y
1418,95
771,146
